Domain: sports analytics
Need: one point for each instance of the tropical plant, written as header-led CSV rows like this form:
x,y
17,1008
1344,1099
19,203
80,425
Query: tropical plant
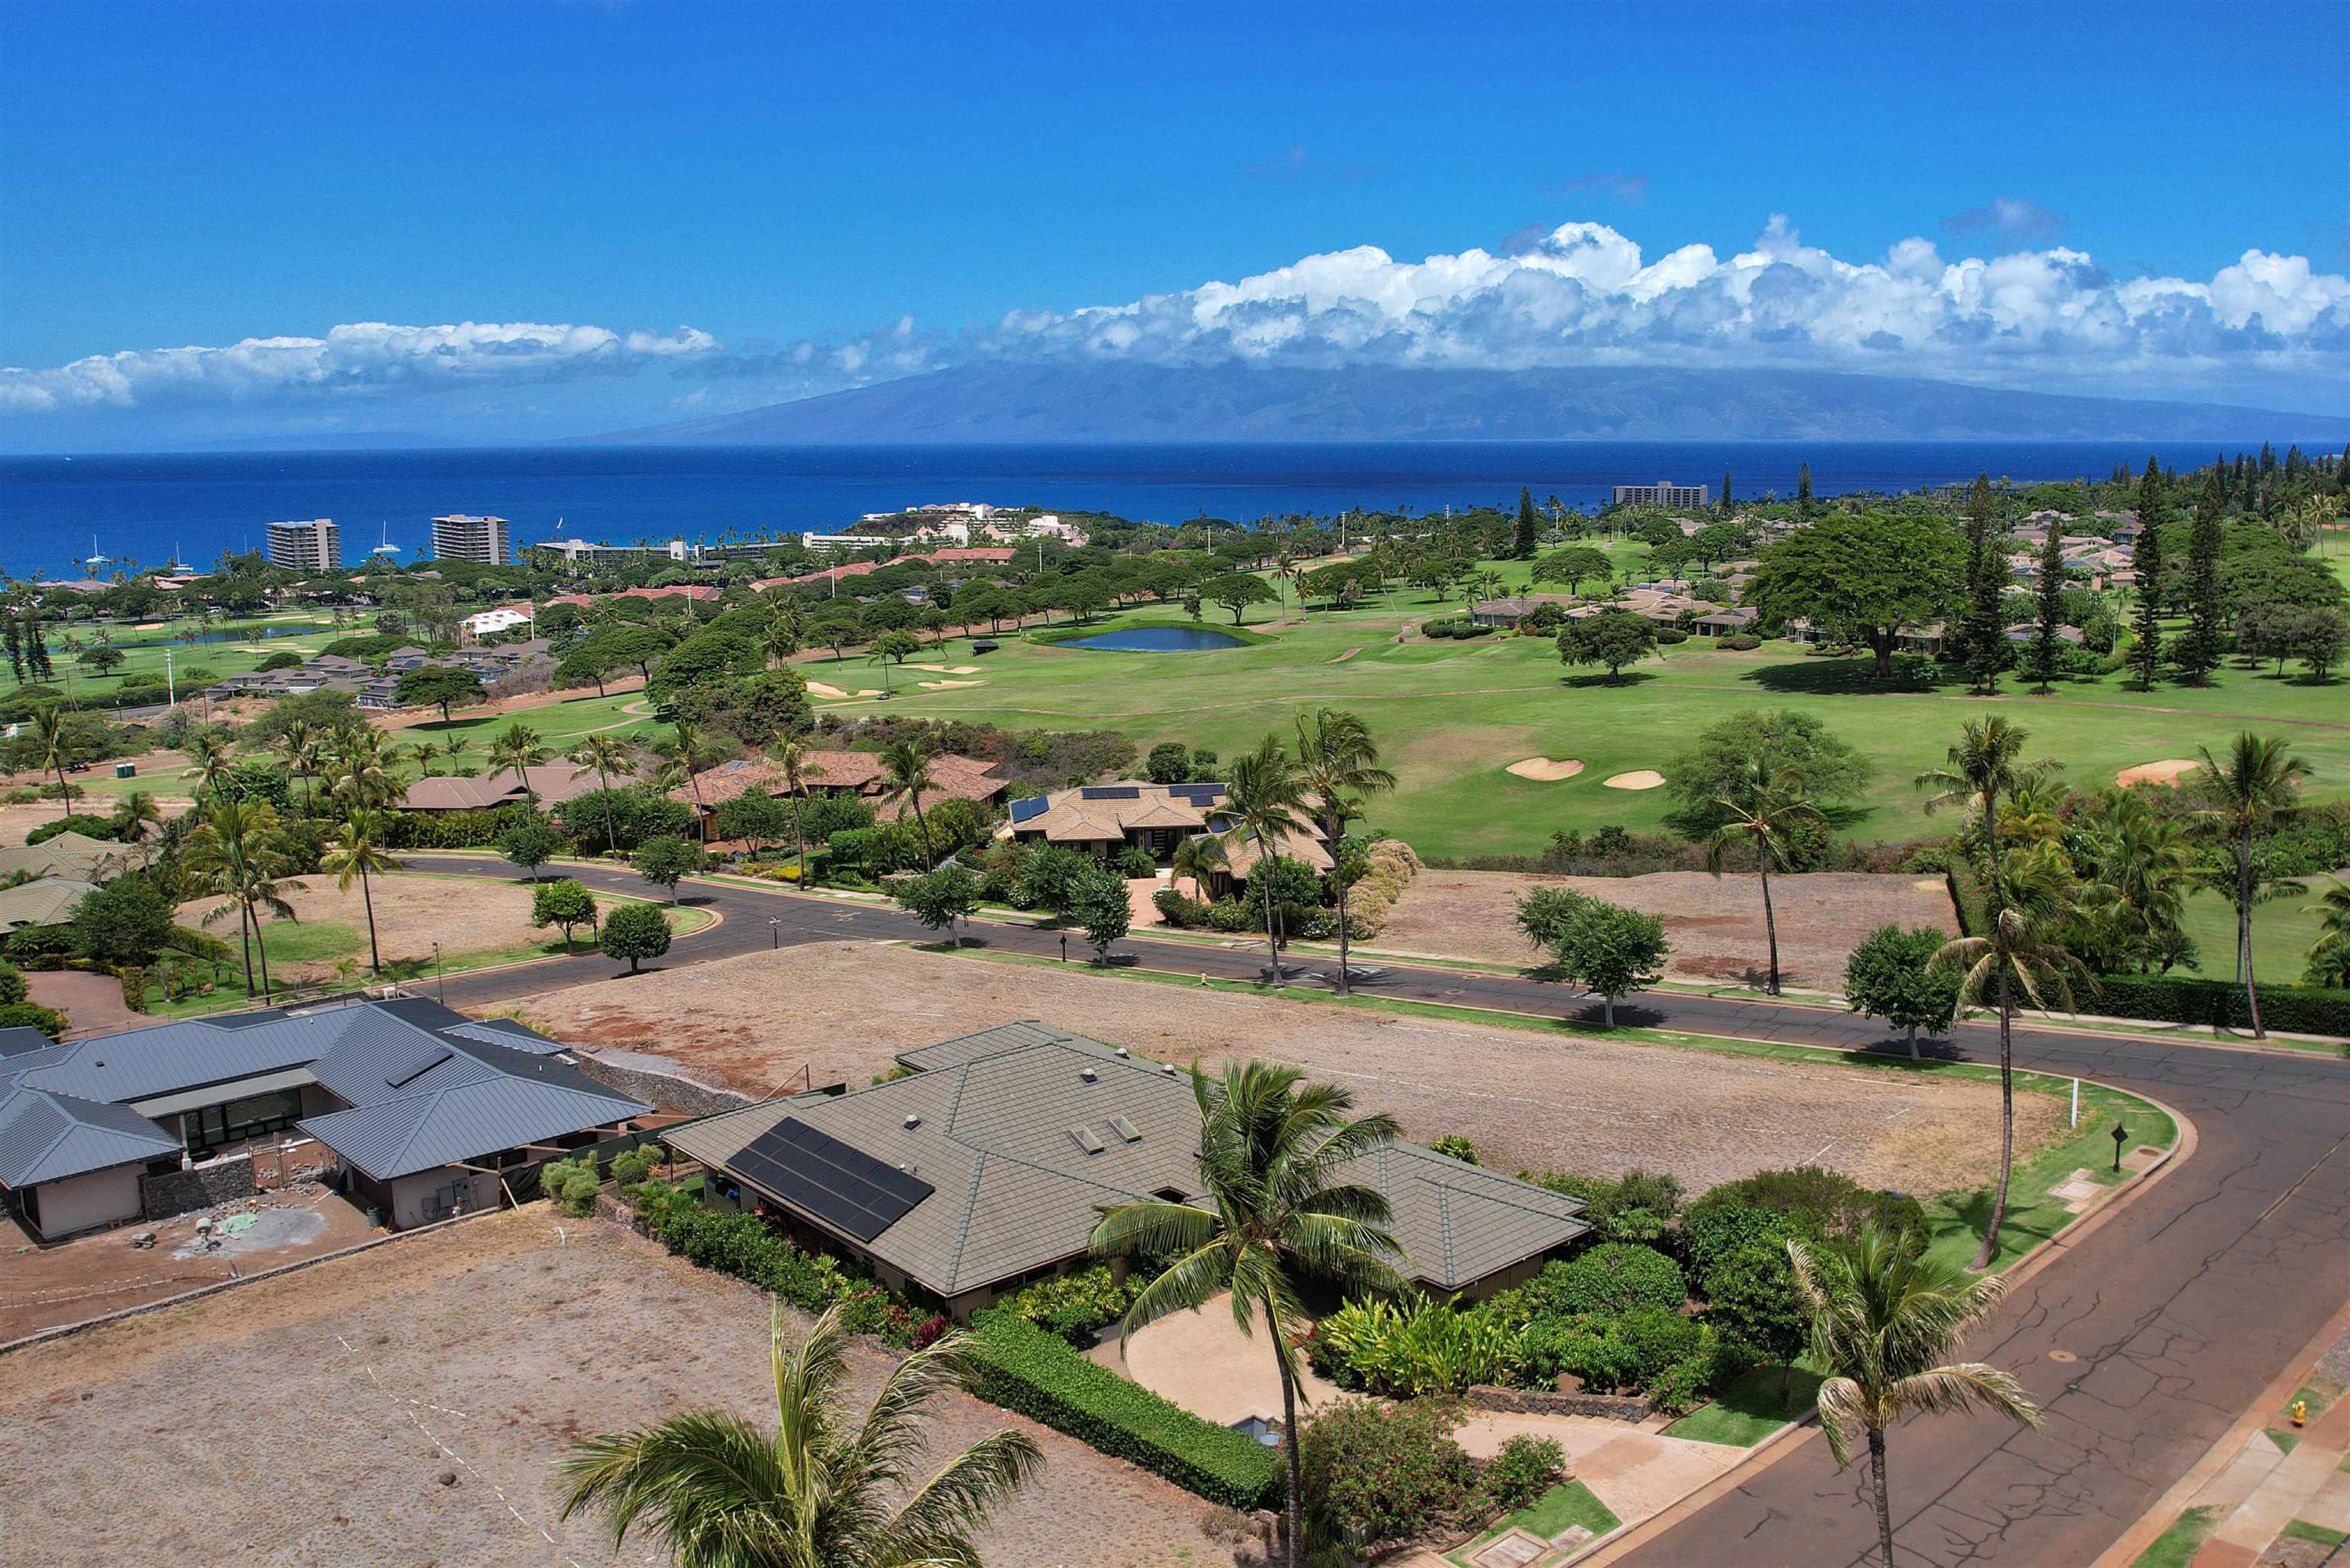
x,y
134,815
519,747
1763,814
819,1492
906,778
238,851
1200,857
301,745
1277,1215
1264,801
1883,1321
1339,765
54,749
603,755
2030,899
357,855
799,767
684,748
2251,791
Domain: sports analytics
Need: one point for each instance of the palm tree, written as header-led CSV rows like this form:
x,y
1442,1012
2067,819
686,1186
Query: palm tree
x,y
1264,801
817,1494
519,747
54,747
364,776
2030,899
1883,1321
300,745
793,757
2251,790
684,748
2333,910
602,755
1275,1216
208,763
1765,811
2146,863
1201,857
238,851
1339,763
1982,767
356,854
134,813
906,770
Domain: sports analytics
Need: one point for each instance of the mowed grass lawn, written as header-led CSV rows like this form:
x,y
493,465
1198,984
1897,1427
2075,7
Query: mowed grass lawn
x,y
1452,715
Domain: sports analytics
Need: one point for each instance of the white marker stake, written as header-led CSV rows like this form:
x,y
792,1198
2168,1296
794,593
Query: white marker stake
x,y
2076,1102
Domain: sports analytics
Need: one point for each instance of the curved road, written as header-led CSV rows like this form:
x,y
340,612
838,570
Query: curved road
x,y
2173,1316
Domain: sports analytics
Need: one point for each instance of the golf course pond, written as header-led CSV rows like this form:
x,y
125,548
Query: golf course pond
x,y
1159,640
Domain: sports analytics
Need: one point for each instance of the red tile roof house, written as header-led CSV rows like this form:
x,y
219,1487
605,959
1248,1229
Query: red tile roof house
x,y
700,593
861,773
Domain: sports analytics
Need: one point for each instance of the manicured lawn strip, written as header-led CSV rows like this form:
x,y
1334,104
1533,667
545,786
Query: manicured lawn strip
x,y
2176,1547
1752,1409
2316,1534
2285,1438
1568,1503
1954,1221
2282,935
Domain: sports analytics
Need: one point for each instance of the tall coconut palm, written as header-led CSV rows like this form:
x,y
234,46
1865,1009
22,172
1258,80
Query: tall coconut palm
x,y
2332,912
208,762
357,854
238,851
684,749
2030,899
53,747
603,755
2251,791
1266,800
906,778
362,775
819,1492
1339,763
1883,1323
2147,864
1276,1216
300,747
1200,857
799,766
519,747
1763,813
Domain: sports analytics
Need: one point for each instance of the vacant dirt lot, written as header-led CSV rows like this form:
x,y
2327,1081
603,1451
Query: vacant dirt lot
x,y
1528,1100
412,913
1716,925
309,1420
15,821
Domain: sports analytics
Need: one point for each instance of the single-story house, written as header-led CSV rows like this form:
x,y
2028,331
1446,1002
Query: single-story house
x,y
986,1169
491,622
1517,607
2024,631
552,783
1926,639
1101,819
953,776
71,856
422,1106
1724,622
700,593
45,901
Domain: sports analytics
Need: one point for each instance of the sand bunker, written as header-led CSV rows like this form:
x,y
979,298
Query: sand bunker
x,y
948,669
1544,769
1639,778
947,685
818,689
2169,771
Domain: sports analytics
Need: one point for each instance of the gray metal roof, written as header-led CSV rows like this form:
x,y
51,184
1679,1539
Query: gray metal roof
x,y
44,1137
997,1117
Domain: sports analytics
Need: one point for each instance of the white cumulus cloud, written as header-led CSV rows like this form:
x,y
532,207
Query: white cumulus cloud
x,y
359,358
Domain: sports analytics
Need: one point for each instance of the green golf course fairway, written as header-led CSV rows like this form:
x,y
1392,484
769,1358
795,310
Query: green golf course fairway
x,y
1452,715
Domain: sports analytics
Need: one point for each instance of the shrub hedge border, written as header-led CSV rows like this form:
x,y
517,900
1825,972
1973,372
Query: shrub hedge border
x,y
1024,1369
2220,1003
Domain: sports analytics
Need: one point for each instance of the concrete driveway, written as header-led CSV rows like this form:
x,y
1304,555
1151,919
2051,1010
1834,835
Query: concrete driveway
x,y
1201,1361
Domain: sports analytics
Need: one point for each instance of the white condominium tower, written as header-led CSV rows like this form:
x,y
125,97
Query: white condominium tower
x,y
483,540
309,547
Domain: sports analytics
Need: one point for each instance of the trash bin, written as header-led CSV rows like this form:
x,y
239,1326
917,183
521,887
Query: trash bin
x,y
125,770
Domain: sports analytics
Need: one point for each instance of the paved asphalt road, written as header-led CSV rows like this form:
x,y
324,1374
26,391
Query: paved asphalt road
x,y
2174,1316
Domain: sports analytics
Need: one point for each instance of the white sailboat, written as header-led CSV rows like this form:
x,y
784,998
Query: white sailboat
x,y
385,550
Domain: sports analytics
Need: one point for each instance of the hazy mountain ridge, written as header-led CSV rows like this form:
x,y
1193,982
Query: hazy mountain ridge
x,y
1080,402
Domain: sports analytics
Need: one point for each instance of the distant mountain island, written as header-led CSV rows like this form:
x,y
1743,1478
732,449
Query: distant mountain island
x,y
1041,401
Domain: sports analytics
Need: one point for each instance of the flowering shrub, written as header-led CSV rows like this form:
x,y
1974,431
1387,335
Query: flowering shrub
x,y
1377,1472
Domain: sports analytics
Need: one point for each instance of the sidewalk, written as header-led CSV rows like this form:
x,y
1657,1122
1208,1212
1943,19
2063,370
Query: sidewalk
x,y
2285,1497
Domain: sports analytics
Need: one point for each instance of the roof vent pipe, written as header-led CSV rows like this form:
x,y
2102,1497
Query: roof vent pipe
x,y
912,1122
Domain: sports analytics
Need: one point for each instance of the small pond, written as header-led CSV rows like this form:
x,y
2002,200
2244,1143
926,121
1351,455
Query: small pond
x,y
1159,640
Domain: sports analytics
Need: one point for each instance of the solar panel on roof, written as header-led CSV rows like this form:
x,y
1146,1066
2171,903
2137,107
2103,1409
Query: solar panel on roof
x,y
1110,792
840,1185
1021,810
1198,794
408,1072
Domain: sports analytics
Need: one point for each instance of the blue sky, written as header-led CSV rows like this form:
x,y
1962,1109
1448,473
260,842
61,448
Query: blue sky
x,y
725,182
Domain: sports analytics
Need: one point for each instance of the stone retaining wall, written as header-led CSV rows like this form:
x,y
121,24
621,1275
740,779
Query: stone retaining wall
x,y
665,1090
1554,1402
177,1191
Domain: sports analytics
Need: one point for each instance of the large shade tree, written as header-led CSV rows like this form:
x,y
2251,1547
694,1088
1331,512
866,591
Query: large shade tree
x,y
1861,577
1276,1218
826,1490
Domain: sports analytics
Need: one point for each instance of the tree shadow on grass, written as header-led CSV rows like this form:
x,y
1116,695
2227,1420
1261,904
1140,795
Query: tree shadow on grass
x,y
2029,1221
1602,682
1929,1050
1849,677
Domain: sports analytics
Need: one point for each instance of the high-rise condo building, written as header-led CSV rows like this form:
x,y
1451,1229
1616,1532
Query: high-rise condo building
x,y
483,540
309,548
1664,493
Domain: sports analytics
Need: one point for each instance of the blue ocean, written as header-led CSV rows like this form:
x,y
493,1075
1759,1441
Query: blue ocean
x,y
148,511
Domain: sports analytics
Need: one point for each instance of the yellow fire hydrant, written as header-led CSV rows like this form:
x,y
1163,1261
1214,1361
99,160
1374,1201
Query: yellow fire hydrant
x,y
2300,1412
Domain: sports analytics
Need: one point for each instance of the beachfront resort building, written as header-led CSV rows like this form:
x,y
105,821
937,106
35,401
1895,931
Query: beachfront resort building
x,y
306,548
484,541
987,1166
1664,493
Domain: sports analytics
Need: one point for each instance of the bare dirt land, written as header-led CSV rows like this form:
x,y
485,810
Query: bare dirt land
x,y
17,821
1715,924
412,913
1527,1099
312,1419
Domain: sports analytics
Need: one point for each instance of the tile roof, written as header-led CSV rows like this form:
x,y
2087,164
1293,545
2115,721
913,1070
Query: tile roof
x,y
993,1117
45,901
554,781
72,855
1085,815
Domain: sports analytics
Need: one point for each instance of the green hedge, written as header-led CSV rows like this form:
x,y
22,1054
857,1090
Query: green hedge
x,y
1024,1369
2220,1003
